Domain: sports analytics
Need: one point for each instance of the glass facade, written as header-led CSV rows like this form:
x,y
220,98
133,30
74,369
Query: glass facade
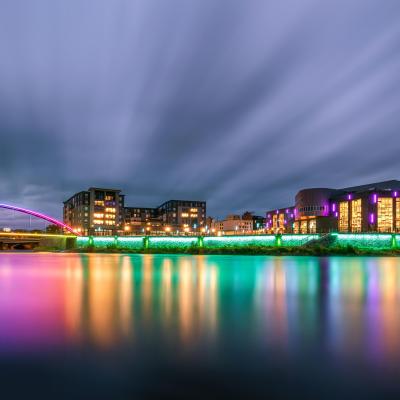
x,y
303,226
344,216
385,214
356,216
397,215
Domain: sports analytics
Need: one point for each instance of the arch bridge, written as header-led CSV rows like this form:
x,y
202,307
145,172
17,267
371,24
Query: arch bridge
x,y
40,216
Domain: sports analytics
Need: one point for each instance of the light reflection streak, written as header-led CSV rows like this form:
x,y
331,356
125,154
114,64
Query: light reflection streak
x,y
348,305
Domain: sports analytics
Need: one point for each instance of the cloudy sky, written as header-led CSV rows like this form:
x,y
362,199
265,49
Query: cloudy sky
x,y
240,103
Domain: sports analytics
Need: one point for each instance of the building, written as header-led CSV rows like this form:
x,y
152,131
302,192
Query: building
x,y
139,220
102,212
183,215
258,221
373,207
280,220
96,211
233,224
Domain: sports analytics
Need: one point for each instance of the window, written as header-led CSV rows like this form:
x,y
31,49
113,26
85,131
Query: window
x,y
99,203
274,221
356,220
303,226
281,220
385,214
313,226
343,216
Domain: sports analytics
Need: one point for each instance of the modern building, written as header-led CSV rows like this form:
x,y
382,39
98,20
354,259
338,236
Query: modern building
x,y
96,211
373,207
183,215
280,220
102,212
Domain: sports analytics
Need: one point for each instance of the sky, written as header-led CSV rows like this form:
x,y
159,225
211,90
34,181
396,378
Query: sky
x,y
239,103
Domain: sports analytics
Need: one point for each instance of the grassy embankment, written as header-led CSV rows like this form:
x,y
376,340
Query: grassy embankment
x,y
311,250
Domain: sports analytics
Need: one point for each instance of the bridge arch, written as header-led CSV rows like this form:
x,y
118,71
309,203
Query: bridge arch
x,y
39,215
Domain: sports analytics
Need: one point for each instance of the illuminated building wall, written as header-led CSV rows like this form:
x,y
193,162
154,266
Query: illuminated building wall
x,y
356,216
385,214
343,216
280,221
367,208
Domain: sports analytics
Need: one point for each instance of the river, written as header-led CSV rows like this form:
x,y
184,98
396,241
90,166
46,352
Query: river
x,y
123,326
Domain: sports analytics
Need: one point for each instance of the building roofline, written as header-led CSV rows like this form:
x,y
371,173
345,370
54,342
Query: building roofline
x,y
104,189
76,194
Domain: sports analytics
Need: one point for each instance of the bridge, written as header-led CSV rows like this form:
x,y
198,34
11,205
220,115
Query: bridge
x,y
40,216
30,240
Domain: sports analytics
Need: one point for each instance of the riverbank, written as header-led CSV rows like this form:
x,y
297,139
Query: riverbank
x,y
248,250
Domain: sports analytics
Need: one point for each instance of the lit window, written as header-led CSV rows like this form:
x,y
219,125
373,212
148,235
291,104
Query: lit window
x,y
185,215
193,210
398,215
356,216
98,215
344,216
99,203
385,214
313,226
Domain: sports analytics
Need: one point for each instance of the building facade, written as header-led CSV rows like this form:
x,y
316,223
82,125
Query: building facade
x,y
183,215
233,224
102,212
140,220
373,207
96,211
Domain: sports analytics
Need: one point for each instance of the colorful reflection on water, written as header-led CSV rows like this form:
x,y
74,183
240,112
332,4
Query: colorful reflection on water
x,y
347,306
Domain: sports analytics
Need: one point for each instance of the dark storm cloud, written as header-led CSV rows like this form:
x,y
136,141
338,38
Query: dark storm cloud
x,y
240,103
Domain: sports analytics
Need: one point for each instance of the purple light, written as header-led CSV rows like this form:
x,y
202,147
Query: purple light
x,y
336,214
349,196
287,211
333,207
395,194
277,211
38,215
375,198
291,215
372,218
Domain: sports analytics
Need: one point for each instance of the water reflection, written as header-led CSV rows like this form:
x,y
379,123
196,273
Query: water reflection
x,y
348,306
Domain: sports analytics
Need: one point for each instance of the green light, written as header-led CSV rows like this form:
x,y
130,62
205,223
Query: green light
x,y
172,242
